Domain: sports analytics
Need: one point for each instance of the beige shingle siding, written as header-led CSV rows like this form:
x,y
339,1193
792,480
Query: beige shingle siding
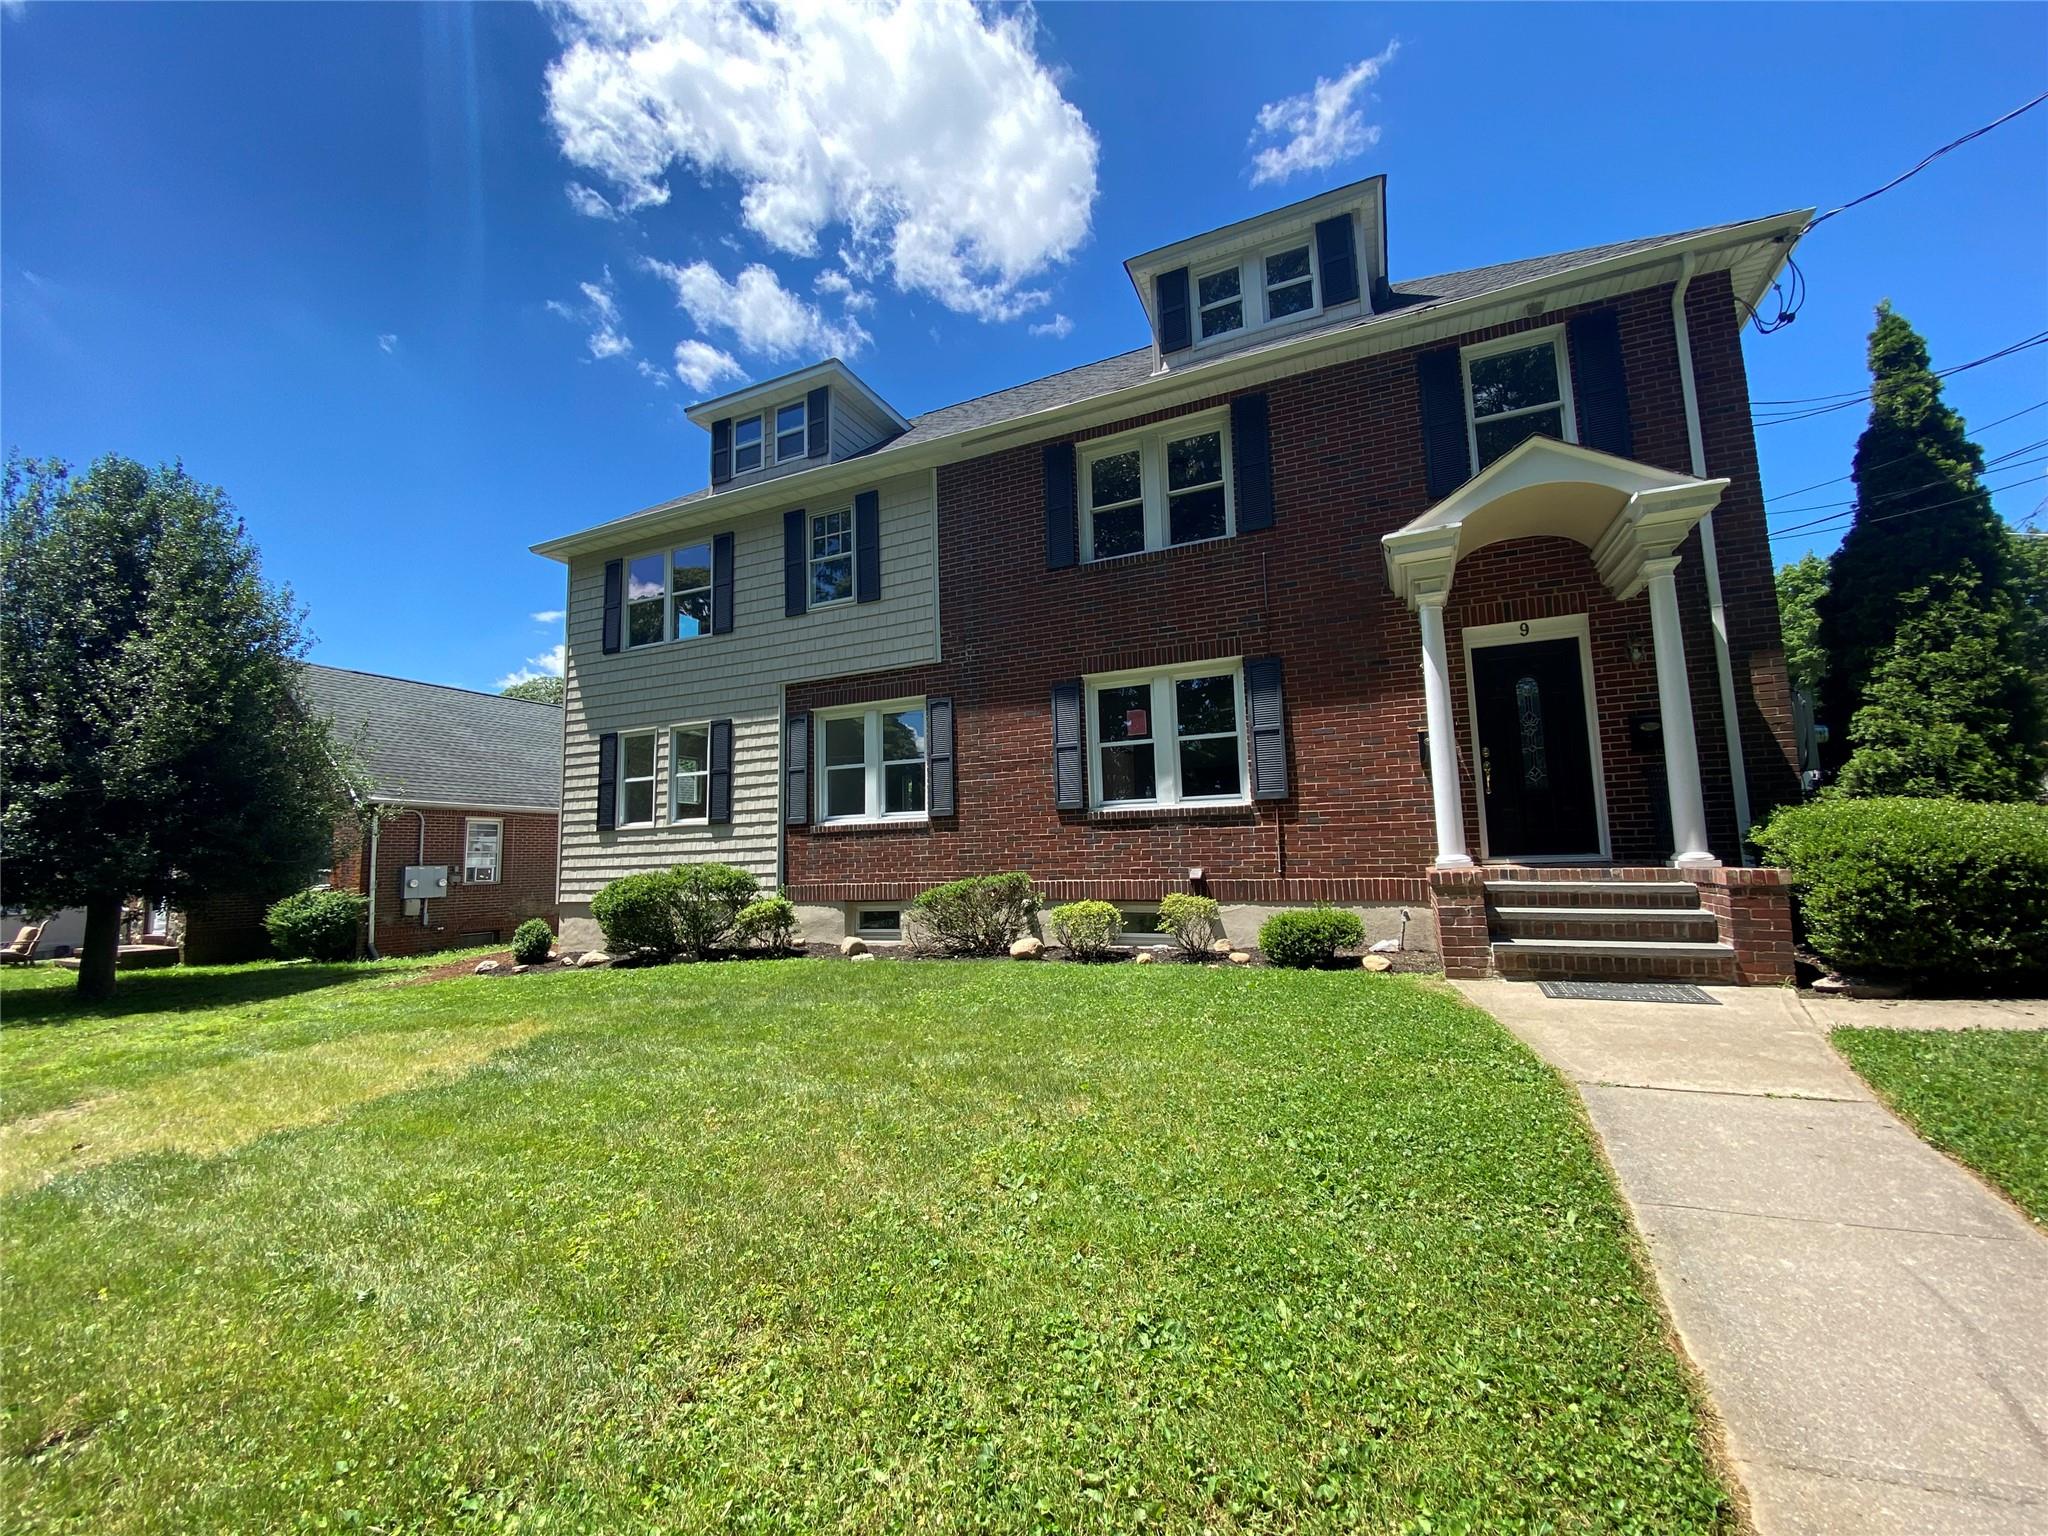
x,y
856,427
738,676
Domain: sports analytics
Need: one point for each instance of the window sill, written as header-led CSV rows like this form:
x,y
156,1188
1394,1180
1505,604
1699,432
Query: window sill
x,y
1200,811
1162,550
873,824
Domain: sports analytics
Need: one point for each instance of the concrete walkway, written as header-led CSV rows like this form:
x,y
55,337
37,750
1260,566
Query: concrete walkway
x,y
1871,1321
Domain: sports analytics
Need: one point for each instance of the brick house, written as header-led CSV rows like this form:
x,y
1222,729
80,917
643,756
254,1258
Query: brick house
x,y
1445,597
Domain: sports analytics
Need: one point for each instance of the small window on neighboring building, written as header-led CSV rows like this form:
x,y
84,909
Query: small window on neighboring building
x,y
1169,738
1515,390
871,762
746,445
791,440
482,838
879,923
636,779
831,558
1220,295
689,761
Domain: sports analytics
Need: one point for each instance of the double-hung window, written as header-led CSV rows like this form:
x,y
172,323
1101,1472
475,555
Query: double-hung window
x,y
1258,288
1515,389
668,595
689,761
746,444
1174,737
1165,487
831,557
636,779
481,839
871,762
1220,297
791,437
1290,281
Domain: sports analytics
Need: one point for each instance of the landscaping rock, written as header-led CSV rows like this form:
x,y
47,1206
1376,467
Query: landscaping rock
x,y
592,958
1874,990
519,970
1378,962
1221,947
1386,946
1027,948
485,967
852,946
1239,957
863,955
1831,986
1142,957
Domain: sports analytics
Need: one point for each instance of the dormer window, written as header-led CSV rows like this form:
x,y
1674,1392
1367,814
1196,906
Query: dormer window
x,y
1290,283
1222,298
791,438
746,444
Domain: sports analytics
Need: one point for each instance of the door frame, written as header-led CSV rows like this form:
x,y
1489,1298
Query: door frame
x,y
1569,626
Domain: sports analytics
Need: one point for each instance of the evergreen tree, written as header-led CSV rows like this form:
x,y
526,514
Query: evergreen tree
x,y
153,745
1800,587
1952,708
1921,515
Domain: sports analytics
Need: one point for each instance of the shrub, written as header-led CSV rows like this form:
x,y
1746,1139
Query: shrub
x,y
1309,936
769,923
1195,922
981,915
1087,928
1946,890
531,942
688,910
316,925
708,901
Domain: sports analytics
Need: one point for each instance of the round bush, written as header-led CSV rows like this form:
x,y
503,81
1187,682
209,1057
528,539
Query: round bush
x,y
1938,890
1087,929
1309,936
982,915
531,942
1194,922
769,923
689,910
633,911
316,925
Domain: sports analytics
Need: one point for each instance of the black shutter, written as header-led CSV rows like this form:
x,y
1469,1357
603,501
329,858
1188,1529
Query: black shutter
x,y
607,781
1337,254
1170,298
1268,721
794,571
614,597
721,584
818,413
1251,460
721,450
1599,383
938,756
796,770
1069,776
1062,525
1440,378
718,782
867,547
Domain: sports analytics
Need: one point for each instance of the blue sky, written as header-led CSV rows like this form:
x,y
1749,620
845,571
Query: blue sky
x,y
328,255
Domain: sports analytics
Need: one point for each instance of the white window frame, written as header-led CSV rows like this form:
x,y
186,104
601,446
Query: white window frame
x,y
1315,280
864,931
1151,445
1521,341
872,761
709,544
469,870
1165,725
1251,288
652,780
1245,321
812,559
675,778
760,445
802,406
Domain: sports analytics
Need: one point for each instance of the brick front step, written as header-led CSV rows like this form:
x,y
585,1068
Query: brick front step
x,y
1534,892
1643,924
1611,960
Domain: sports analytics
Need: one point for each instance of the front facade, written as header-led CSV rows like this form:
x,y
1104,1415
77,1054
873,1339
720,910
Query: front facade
x,y
1380,593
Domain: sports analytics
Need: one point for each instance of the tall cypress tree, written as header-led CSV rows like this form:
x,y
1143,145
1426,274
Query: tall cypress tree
x,y
1922,515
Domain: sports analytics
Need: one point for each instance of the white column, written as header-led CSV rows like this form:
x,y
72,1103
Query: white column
x,y
1674,704
1443,740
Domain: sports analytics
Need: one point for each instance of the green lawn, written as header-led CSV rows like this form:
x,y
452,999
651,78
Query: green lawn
x,y
1980,1094
805,1246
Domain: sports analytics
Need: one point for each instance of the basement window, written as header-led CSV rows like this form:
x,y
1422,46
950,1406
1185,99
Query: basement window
x,y
878,923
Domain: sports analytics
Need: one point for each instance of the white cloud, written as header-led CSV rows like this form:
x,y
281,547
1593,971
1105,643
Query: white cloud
x,y
929,129
589,202
1059,327
703,367
650,373
550,616
765,317
549,663
1321,126
600,311
387,343
832,280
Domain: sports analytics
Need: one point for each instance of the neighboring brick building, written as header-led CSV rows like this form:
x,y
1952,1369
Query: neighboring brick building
x,y
1338,583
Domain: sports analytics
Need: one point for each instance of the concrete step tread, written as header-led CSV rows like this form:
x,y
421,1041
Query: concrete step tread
x,y
1610,914
1533,887
1662,949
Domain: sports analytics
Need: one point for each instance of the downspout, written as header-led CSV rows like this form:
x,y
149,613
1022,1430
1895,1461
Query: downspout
x,y
421,858
1717,611
370,944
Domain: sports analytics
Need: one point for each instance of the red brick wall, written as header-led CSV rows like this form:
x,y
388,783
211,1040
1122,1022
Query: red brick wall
x,y
525,888
1347,468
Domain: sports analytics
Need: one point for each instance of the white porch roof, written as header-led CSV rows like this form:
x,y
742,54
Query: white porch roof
x,y
1628,514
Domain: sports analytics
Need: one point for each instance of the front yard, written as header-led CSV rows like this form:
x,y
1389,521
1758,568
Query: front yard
x,y
812,1246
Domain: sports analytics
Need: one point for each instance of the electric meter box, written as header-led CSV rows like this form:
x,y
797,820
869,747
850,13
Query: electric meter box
x,y
423,882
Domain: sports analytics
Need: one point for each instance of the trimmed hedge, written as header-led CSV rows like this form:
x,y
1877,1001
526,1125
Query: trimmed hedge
x,y
1195,922
1937,890
688,910
981,915
1086,929
531,942
1309,936
316,925
769,924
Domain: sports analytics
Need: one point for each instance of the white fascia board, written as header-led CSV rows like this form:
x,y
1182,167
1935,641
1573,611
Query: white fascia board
x,y
831,371
413,803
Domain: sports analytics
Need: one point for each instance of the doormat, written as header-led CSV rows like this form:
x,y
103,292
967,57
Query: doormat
x,y
1626,992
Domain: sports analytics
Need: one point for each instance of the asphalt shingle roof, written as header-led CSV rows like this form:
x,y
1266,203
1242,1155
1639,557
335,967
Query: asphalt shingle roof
x,y
424,741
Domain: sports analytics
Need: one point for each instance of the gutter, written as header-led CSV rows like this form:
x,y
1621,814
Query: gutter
x,y
1717,610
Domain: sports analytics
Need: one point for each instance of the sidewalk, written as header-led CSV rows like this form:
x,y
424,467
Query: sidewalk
x,y
1871,1321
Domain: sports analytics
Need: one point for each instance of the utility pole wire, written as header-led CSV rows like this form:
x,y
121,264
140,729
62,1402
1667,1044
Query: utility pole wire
x,y
1839,517
2037,339
2010,459
1814,223
1818,484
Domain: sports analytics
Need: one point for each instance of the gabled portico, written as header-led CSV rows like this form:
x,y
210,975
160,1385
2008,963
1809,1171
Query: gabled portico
x,y
1631,518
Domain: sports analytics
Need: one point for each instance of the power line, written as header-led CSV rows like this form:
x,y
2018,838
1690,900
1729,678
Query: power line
x,y
2010,459
1975,133
1839,517
1986,427
1783,418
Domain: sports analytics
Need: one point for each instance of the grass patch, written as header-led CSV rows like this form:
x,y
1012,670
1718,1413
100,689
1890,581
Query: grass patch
x,y
800,1246
1979,1094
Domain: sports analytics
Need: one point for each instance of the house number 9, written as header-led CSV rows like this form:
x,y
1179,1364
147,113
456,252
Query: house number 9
x,y
1525,629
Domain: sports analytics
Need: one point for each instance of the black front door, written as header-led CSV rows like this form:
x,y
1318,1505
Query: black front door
x,y
1535,767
